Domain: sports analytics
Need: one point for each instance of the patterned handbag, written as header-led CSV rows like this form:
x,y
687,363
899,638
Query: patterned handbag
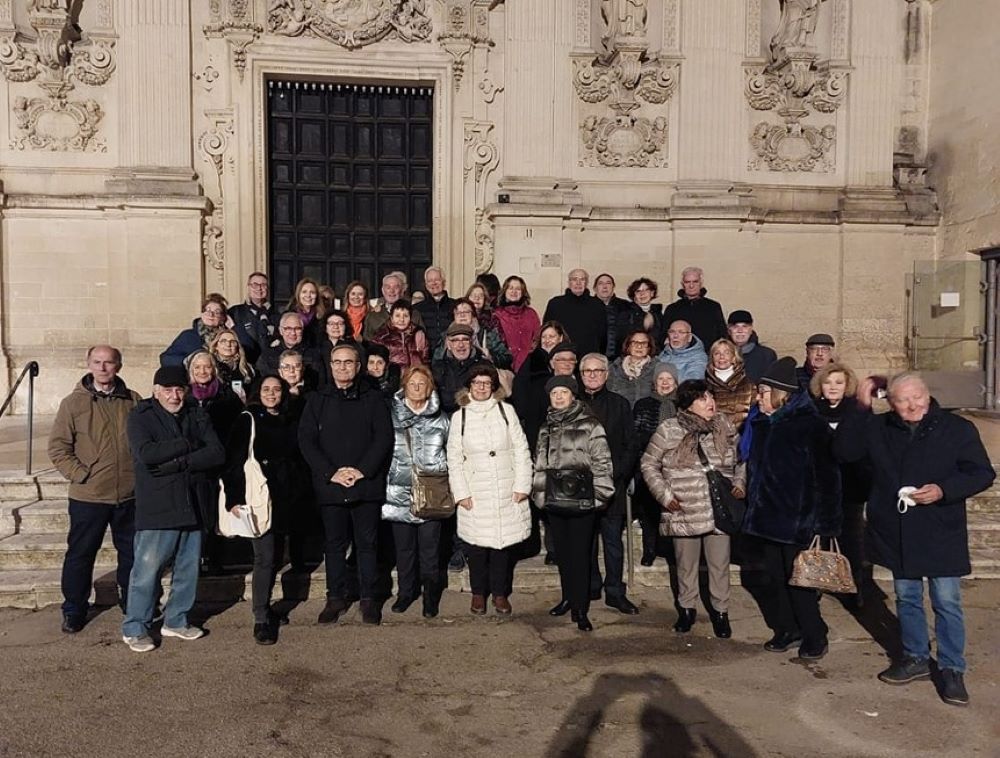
x,y
824,570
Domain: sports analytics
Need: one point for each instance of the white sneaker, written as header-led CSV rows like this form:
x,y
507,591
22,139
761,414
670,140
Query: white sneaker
x,y
184,633
141,644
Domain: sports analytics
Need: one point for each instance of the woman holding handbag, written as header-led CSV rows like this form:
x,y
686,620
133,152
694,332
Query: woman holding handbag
x,y
274,429
793,495
673,467
490,475
572,483
421,431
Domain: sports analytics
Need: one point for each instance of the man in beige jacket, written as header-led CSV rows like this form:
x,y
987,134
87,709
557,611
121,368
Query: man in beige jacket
x,y
89,447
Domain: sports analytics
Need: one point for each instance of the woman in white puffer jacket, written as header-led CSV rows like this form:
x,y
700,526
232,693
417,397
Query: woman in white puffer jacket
x,y
490,475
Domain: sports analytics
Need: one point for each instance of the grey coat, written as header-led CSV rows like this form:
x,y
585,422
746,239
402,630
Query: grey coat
x,y
428,440
688,485
631,389
573,438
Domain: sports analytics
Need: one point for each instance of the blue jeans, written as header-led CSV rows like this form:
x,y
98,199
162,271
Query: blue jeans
x,y
949,624
153,550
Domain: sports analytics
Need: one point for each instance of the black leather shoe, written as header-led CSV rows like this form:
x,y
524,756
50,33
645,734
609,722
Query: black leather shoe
x,y
813,651
559,609
622,605
276,618
647,559
71,624
402,603
432,605
265,634
334,609
685,620
371,611
595,594
781,641
550,559
583,623
720,624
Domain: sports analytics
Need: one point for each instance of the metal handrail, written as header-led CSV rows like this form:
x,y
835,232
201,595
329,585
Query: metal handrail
x,y
31,369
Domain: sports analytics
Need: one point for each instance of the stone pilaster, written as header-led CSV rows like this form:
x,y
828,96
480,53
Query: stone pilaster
x,y
155,94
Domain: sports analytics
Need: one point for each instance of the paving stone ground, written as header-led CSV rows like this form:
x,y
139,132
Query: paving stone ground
x,y
466,686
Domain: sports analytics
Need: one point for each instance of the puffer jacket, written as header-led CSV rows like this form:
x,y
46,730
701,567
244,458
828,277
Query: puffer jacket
x,y
488,460
691,361
572,438
88,444
733,396
427,446
631,389
688,485
407,347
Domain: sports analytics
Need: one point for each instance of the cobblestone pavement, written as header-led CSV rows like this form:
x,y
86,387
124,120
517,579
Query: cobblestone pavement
x,y
466,686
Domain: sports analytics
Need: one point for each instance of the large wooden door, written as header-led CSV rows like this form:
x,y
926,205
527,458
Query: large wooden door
x,y
350,169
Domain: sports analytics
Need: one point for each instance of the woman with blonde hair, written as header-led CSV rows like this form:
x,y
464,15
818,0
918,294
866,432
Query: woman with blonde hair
x,y
231,362
728,381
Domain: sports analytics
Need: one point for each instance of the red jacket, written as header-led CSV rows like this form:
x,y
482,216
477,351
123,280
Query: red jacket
x,y
407,347
519,327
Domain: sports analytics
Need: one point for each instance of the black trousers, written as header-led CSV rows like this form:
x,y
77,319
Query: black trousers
x,y
610,528
416,544
574,542
792,609
340,524
87,524
489,570
264,571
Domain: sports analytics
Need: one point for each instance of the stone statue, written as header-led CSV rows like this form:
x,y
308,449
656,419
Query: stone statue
x,y
624,18
795,28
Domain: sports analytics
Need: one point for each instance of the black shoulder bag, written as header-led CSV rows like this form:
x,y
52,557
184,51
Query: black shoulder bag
x,y
727,510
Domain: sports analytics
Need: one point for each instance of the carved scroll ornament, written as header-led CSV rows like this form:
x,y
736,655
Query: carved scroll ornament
x,y
350,23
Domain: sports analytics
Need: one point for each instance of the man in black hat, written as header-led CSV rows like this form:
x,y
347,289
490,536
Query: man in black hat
x,y
819,353
459,356
756,357
173,447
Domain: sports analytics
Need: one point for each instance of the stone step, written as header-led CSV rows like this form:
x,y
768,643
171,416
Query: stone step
x,y
43,485
986,502
984,532
43,517
44,551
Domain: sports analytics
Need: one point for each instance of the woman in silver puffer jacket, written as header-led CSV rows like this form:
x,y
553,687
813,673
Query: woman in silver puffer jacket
x,y
421,431
572,442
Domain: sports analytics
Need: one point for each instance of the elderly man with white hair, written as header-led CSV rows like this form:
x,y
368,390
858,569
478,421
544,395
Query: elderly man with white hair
x,y
436,308
393,289
582,315
925,462
702,313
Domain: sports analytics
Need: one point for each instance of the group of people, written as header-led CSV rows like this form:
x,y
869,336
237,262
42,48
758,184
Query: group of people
x,y
539,424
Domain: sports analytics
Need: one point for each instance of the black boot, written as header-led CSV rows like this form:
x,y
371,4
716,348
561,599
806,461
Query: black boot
x,y
371,611
685,620
583,623
402,603
720,624
432,601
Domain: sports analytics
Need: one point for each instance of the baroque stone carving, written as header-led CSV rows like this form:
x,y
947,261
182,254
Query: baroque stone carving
x,y
794,83
625,76
57,57
481,160
234,24
350,23
466,27
213,145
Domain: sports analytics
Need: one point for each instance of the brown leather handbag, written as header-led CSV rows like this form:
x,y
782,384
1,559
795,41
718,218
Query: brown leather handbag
x,y
824,570
430,494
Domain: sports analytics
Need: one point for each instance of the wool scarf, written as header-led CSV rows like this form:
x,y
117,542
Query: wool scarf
x,y
696,428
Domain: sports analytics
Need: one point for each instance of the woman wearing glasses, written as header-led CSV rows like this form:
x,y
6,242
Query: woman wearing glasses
x,y
645,314
631,375
231,362
203,330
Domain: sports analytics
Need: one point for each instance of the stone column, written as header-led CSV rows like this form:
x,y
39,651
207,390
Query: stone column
x,y
872,94
711,92
154,79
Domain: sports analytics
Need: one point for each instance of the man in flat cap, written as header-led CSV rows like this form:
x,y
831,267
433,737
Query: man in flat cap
x,y
819,353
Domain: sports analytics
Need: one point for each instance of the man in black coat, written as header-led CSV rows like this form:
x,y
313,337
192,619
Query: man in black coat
x,y
618,313
757,358
582,315
702,313
449,371
347,439
291,333
819,354
615,415
436,307
925,462
255,320
173,446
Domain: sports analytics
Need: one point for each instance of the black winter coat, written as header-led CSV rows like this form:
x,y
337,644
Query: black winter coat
x,y
350,427
794,481
637,320
255,326
267,364
615,415
171,456
704,314
436,315
944,449
618,313
757,358
528,397
222,409
276,448
647,414
584,318
449,376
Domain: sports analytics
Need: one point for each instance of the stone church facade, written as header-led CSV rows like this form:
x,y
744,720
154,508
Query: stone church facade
x,y
781,145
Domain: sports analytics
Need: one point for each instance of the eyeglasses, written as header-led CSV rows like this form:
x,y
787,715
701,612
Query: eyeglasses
x,y
481,383
460,338
641,343
676,333
227,342
594,371
643,288
820,349
290,366
291,329
564,360
258,285
343,364
214,312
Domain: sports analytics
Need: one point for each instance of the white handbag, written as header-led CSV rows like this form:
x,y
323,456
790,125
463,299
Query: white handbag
x,y
254,518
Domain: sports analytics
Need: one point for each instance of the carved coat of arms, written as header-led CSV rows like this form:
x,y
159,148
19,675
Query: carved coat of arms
x,y
350,23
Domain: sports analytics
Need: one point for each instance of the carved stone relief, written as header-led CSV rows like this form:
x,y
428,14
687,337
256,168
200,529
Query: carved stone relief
x,y
232,20
625,76
466,27
794,84
56,56
350,23
213,144
481,160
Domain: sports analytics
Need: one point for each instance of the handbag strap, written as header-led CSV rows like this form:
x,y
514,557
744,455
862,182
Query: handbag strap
x,y
706,464
253,434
